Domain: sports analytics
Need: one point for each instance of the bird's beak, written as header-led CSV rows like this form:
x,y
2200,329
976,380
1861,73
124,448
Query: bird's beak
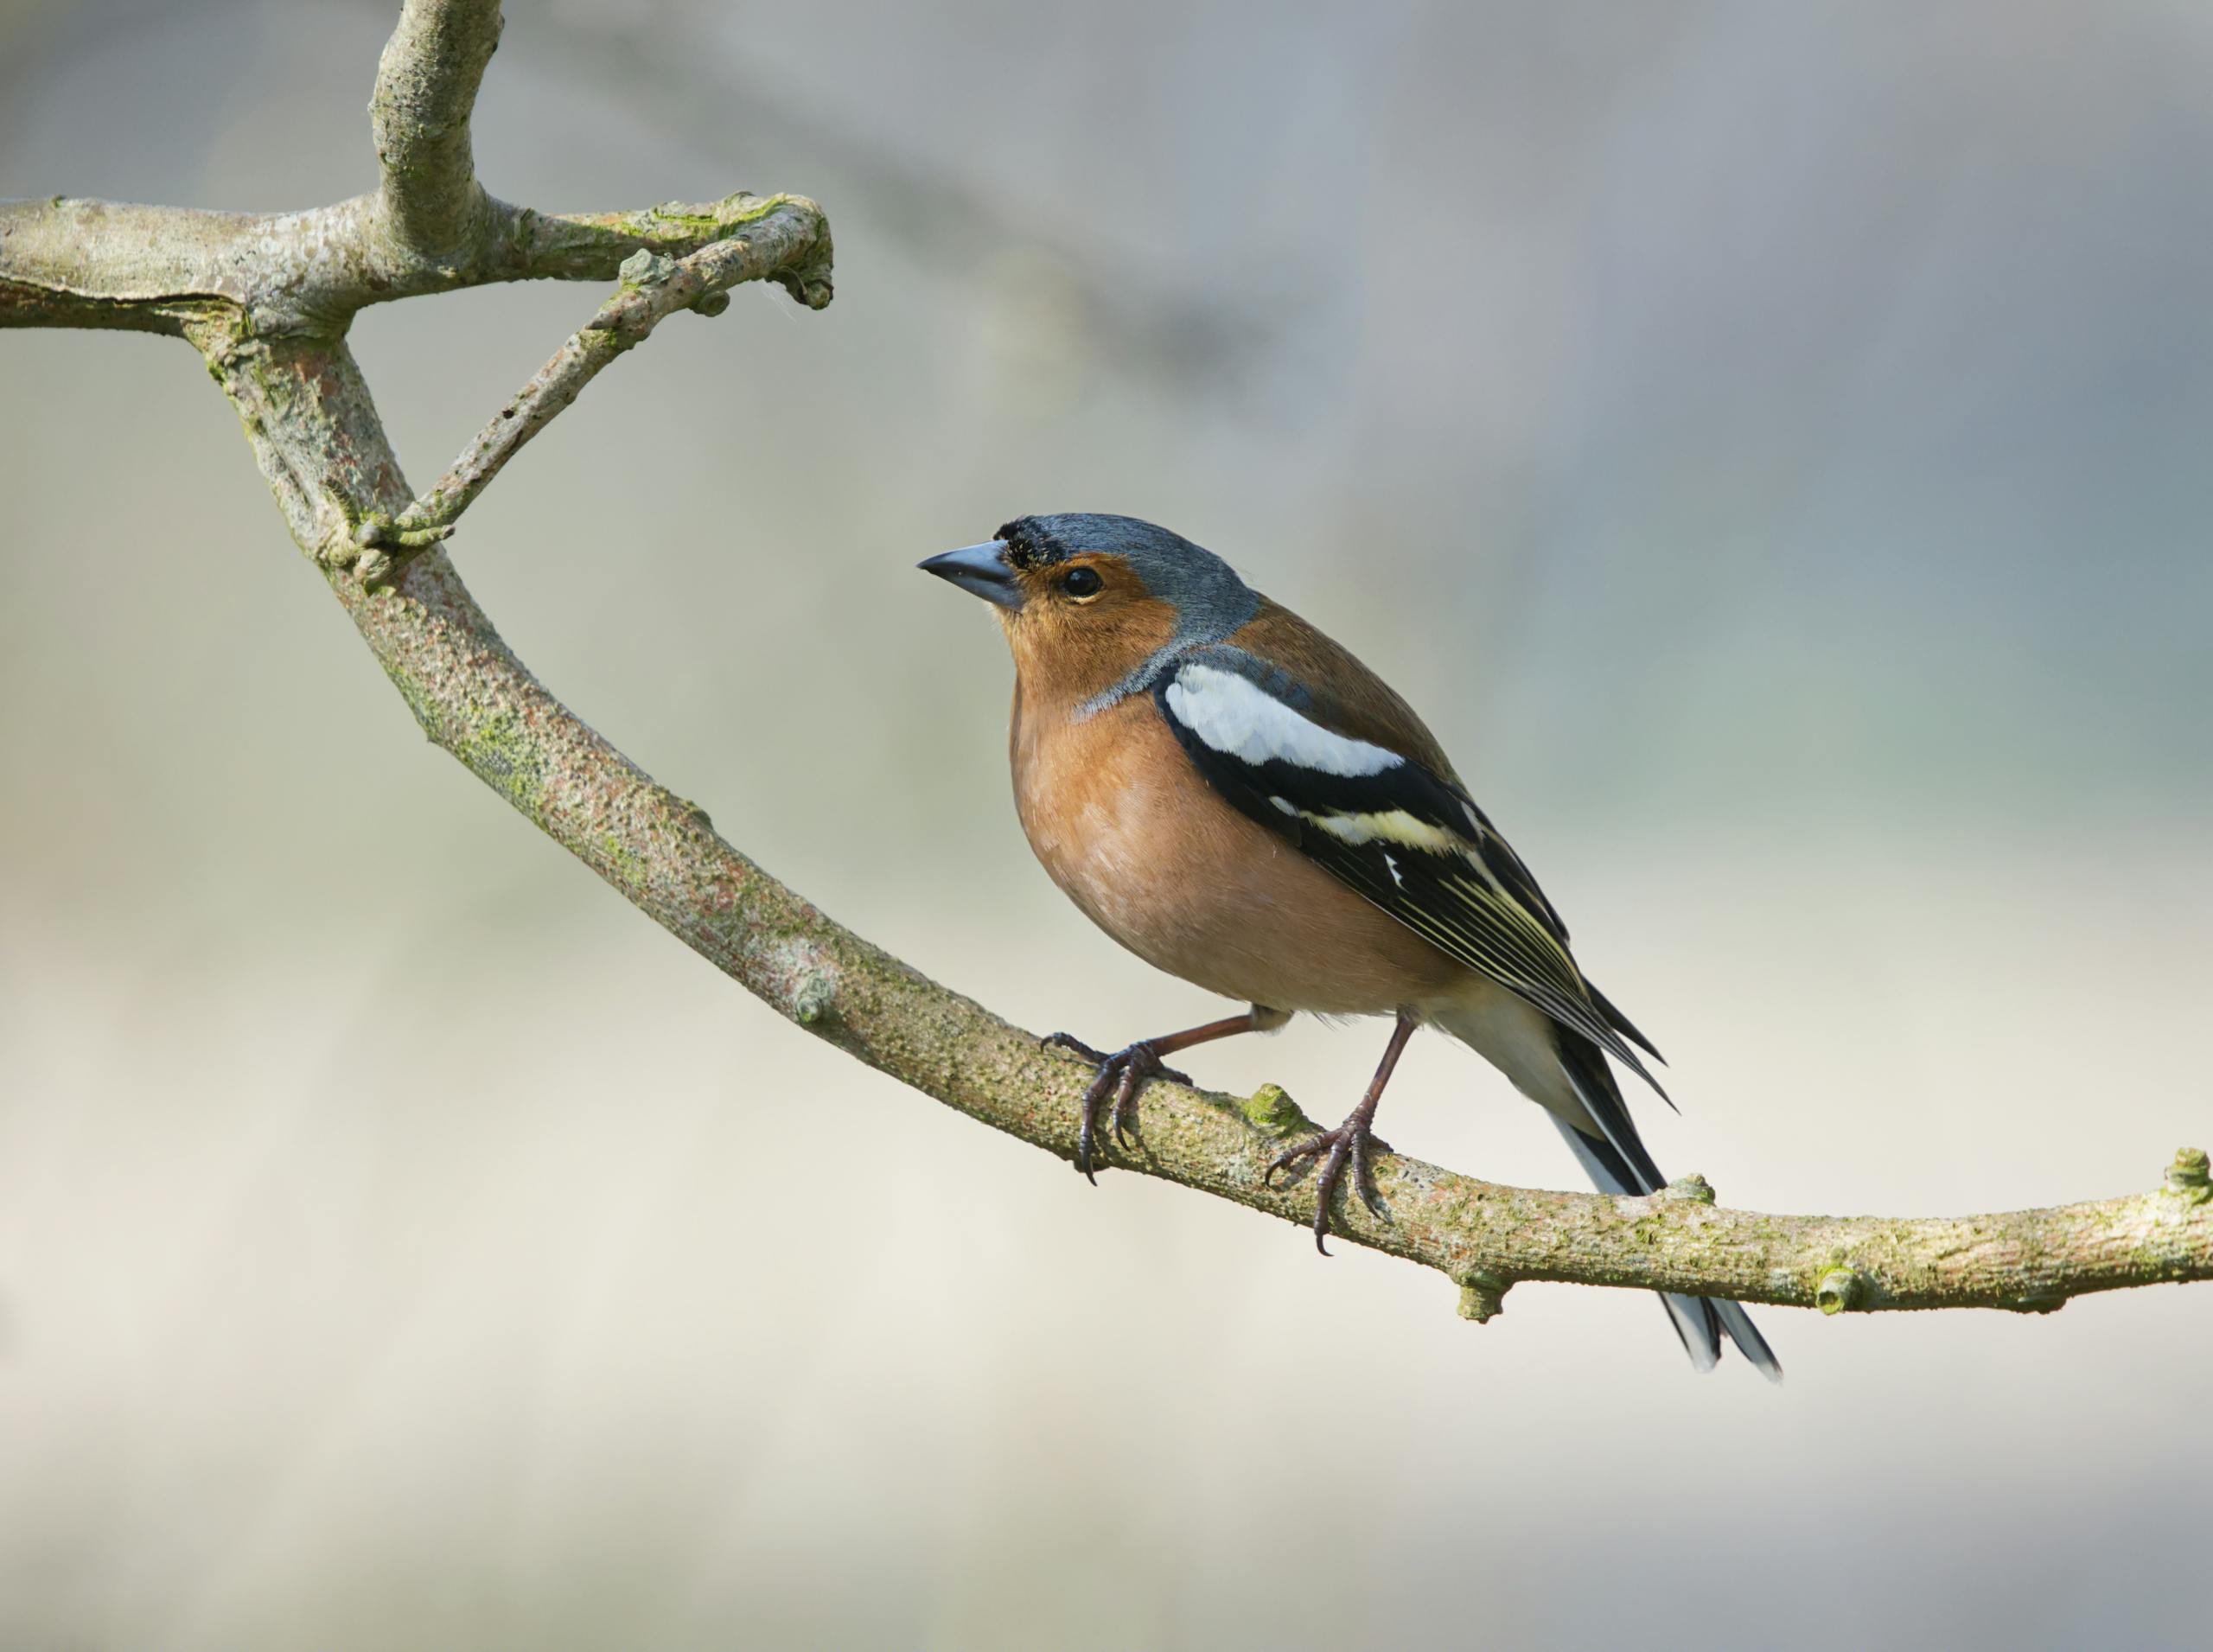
x,y
980,570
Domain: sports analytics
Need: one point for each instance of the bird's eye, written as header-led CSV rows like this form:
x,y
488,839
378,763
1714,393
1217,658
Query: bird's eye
x,y
1081,582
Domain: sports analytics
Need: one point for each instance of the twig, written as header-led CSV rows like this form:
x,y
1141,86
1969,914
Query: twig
x,y
787,242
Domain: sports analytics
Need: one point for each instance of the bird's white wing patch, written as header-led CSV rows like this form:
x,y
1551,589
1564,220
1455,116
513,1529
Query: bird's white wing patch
x,y
1237,718
1391,832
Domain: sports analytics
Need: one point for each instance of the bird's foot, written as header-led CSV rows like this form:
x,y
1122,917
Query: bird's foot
x,y
1122,1074
1348,1145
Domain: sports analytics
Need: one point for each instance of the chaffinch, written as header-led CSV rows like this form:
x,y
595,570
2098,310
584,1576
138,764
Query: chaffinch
x,y
1240,801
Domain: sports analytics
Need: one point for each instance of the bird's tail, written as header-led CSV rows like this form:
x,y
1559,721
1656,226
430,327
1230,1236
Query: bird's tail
x,y
1616,1162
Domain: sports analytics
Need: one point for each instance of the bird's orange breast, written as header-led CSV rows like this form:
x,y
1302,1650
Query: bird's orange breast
x,y
1124,824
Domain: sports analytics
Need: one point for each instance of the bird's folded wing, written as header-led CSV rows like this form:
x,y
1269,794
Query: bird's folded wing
x,y
1391,828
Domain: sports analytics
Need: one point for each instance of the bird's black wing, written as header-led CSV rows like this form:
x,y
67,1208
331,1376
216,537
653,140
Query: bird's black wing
x,y
1397,833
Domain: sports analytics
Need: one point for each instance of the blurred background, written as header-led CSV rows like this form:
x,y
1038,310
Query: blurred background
x,y
1768,442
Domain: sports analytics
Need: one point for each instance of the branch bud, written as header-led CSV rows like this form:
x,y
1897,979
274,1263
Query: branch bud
x,y
1841,1290
646,268
816,998
1482,1296
1271,1110
2190,1178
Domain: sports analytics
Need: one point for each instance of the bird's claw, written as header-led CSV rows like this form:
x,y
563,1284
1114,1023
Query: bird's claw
x,y
1349,1144
1070,1042
1123,1073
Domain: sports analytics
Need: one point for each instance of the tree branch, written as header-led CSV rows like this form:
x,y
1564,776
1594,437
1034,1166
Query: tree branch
x,y
70,262
67,262
266,301
430,202
594,246
474,698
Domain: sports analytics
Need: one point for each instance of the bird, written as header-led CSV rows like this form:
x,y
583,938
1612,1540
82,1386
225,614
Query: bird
x,y
1238,801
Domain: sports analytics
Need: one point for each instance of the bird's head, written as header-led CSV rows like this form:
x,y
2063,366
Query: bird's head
x,y
1088,600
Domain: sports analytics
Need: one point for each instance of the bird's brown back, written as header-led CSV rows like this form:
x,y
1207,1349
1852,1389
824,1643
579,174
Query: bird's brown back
x,y
1358,702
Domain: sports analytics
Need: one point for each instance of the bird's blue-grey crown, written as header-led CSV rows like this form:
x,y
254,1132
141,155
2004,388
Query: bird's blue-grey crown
x,y
1210,601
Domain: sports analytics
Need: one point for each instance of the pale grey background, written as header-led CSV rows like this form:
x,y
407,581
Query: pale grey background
x,y
1768,442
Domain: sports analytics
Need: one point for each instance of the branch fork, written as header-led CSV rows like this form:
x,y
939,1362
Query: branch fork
x,y
787,241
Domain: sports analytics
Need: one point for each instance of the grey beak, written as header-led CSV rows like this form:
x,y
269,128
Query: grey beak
x,y
980,570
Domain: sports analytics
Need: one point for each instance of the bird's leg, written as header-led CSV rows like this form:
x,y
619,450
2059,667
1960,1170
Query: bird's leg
x,y
1125,1072
1350,1143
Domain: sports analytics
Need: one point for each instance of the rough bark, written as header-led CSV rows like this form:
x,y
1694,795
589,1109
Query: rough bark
x,y
267,299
